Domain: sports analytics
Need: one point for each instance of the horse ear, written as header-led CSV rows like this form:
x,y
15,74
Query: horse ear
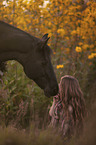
x,y
45,36
43,41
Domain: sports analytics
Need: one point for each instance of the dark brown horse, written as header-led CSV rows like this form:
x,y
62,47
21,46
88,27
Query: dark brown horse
x,y
32,53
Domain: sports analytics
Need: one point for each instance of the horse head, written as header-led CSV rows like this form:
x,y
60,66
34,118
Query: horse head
x,y
38,67
33,54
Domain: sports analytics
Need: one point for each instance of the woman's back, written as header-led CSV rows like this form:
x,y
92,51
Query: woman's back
x,y
68,108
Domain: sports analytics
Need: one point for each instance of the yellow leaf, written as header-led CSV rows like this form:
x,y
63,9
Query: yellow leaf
x,y
60,66
80,43
91,56
85,46
73,32
61,32
78,49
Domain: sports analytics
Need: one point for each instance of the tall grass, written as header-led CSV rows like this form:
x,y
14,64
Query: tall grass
x,y
32,136
21,100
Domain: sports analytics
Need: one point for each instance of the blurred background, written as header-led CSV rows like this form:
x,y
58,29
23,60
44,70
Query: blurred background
x,y
71,25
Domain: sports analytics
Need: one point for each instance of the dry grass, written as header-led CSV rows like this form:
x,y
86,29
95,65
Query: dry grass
x,y
13,136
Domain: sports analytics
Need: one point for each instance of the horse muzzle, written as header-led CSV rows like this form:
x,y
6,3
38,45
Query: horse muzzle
x,y
51,91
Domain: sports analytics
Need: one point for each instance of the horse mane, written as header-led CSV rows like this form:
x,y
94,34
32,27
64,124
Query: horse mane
x,y
13,27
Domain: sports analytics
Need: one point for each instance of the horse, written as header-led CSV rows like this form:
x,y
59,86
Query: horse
x,y
32,53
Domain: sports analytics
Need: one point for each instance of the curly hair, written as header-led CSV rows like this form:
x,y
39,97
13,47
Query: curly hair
x,y
71,94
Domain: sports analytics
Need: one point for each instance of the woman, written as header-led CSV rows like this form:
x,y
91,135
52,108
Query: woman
x,y
68,108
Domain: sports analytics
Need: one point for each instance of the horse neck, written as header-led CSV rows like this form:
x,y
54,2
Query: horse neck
x,y
15,43
5,56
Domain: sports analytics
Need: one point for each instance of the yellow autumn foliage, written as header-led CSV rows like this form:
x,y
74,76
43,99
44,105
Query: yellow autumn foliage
x,y
85,46
92,55
60,66
69,25
61,32
78,49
